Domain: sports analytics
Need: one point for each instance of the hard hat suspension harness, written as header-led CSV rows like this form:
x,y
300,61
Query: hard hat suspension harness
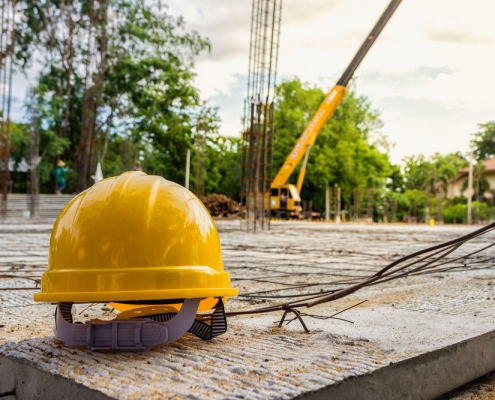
x,y
201,329
138,334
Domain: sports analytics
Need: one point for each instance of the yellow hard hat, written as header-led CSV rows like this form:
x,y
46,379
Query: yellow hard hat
x,y
134,237
136,240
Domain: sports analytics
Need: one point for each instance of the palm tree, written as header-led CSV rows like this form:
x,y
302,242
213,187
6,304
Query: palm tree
x,y
480,184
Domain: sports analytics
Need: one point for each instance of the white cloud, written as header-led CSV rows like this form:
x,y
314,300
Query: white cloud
x,y
456,36
307,12
420,77
425,126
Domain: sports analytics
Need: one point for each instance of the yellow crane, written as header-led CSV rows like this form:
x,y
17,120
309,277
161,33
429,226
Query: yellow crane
x,y
285,198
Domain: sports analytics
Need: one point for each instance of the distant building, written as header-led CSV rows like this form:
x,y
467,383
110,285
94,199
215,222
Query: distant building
x,y
455,185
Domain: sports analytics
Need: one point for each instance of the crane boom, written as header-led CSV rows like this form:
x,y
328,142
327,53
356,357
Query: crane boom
x,y
328,106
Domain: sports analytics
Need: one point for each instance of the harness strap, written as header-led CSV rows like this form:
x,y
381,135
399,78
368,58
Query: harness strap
x,y
217,327
66,311
135,334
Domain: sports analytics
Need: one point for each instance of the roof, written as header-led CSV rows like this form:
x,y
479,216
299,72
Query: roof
x,y
489,167
489,164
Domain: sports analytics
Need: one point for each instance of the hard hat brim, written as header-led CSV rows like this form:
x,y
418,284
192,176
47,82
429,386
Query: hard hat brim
x,y
107,297
162,283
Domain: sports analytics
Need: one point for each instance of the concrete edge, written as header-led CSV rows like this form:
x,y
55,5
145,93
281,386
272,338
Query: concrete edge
x,y
20,380
426,376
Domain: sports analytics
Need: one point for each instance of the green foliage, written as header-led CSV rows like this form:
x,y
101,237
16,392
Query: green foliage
x,y
484,141
344,152
51,143
223,173
18,147
411,204
455,214
19,141
149,80
480,183
421,172
395,182
148,102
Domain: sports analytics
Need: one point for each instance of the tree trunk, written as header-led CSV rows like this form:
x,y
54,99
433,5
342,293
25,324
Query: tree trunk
x,y
86,118
70,63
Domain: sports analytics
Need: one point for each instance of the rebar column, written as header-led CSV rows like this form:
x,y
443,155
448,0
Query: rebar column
x,y
257,138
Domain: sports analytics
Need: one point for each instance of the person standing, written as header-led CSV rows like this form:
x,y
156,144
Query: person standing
x,y
283,200
137,166
59,173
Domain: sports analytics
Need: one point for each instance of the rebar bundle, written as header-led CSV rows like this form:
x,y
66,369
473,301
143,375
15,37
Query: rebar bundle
x,y
333,208
363,205
257,143
390,210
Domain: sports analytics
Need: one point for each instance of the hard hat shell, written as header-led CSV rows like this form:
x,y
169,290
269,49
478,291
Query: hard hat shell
x,y
131,238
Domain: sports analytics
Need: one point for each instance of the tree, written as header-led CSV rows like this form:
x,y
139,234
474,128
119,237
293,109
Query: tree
x,y
395,181
343,154
431,175
18,148
150,83
484,141
433,172
480,183
132,85
224,167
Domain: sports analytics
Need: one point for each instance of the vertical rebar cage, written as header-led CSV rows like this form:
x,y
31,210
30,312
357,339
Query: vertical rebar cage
x,y
257,139
363,208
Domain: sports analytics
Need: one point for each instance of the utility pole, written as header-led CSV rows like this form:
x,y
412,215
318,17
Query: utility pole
x,y
470,187
188,167
337,211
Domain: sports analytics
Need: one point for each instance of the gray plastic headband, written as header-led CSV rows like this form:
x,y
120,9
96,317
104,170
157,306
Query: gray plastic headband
x,y
136,334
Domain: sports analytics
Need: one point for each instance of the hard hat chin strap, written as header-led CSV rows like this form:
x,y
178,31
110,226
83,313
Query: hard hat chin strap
x,y
135,334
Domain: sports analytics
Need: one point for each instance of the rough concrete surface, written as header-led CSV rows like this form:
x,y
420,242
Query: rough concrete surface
x,y
416,337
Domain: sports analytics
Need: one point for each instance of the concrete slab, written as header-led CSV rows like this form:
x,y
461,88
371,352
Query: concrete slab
x,y
480,389
417,337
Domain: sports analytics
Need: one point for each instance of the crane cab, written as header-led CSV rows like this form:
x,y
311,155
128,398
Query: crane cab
x,y
285,202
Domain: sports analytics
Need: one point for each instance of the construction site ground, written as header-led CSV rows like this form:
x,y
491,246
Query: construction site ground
x,y
417,337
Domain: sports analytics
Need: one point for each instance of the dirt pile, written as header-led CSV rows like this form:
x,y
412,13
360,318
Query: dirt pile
x,y
220,205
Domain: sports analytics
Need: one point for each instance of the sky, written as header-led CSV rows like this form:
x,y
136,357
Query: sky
x,y
430,73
